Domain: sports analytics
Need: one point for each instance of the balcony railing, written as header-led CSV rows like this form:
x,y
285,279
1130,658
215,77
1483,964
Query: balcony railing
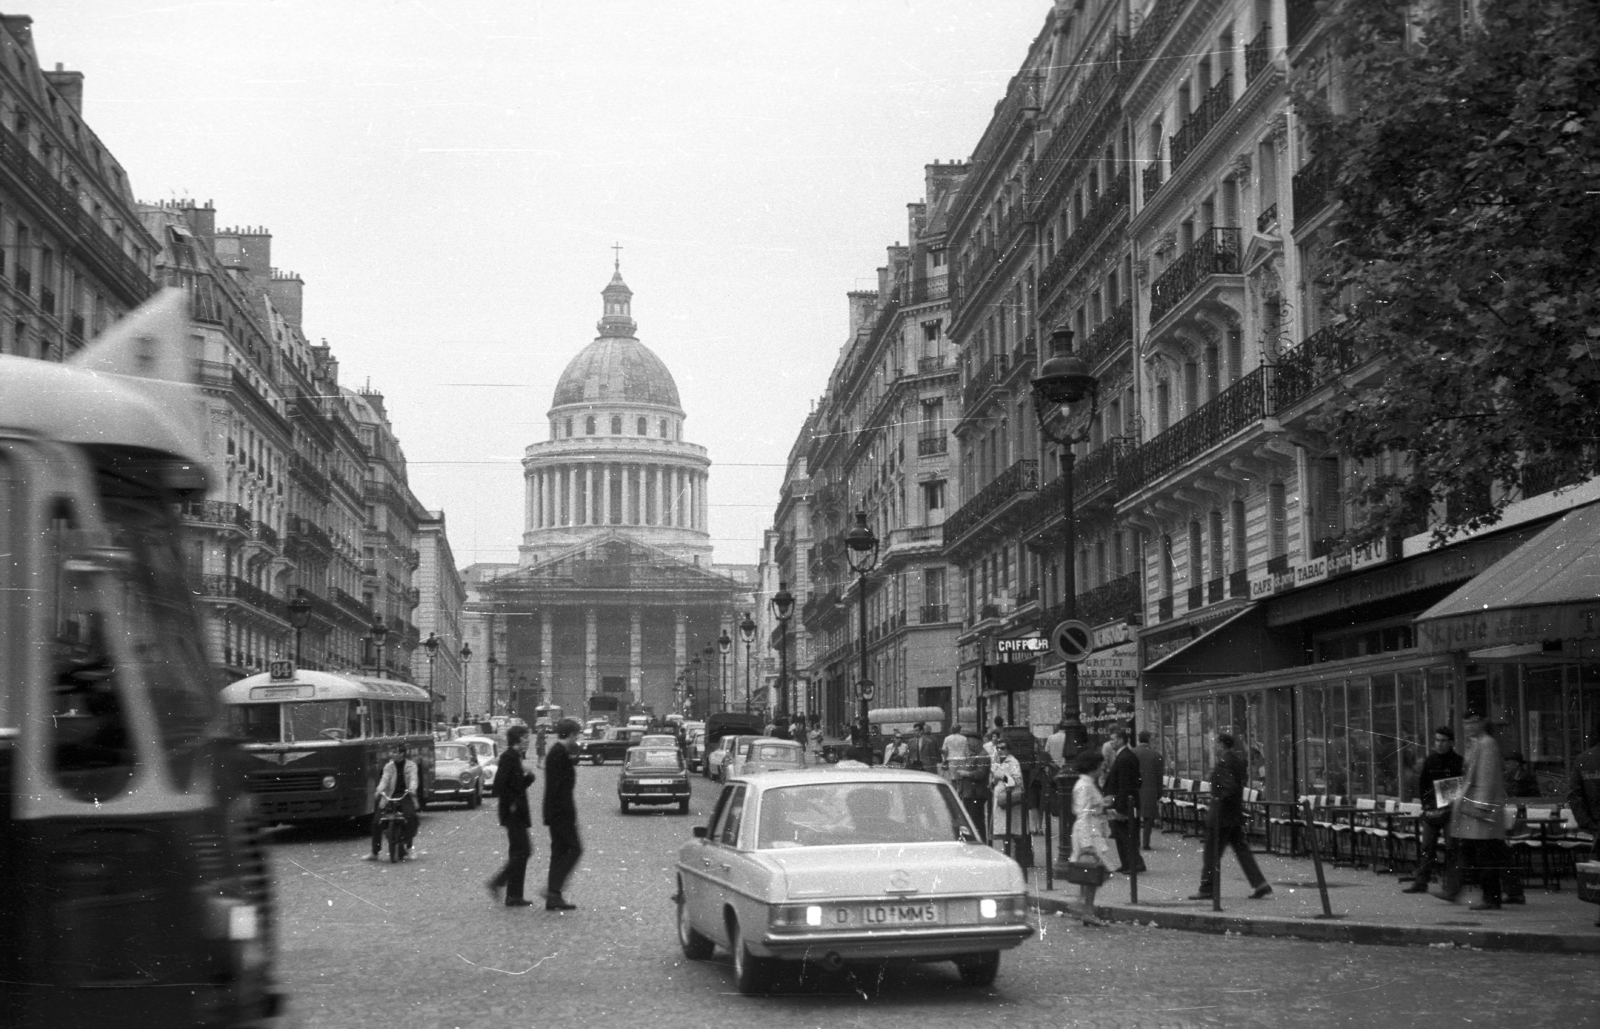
x,y
913,535
1109,336
217,512
932,443
1325,355
1234,409
1150,178
1258,54
350,605
924,290
1552,472
930,613
1214,253
231,587
1204,118
307,529
931,364
1022,477
265,533
991,372
1312,184
1152,31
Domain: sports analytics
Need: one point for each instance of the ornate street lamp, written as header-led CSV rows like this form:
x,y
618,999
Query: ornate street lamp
x,y
747,632
299,618
861,552
782,603
379,632
724,644
707,653
1065,380
432,643
694,684
466,667
493,664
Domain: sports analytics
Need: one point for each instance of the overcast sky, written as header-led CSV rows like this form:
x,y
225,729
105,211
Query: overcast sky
x,y
449,178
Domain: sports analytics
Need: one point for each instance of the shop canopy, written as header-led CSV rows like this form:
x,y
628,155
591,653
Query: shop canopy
x,y
1239,645
1548,589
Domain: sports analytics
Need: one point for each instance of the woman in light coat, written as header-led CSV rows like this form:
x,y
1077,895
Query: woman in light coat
x,y
1090,830
1005,781
1476,823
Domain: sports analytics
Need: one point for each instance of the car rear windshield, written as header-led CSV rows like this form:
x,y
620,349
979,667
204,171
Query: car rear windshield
x,y
775,753
655,759
833,814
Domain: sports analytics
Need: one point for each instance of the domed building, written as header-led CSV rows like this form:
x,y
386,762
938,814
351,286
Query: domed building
x,y
613,605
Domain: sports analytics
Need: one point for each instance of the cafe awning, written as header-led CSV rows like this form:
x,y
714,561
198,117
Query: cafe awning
x,y
1237,646
1546,589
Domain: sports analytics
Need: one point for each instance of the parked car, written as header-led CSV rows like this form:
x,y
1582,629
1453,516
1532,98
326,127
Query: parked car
x,y
612,745
653,775
694,752
770,755
659,739
717,756
487,749
727,767
457,775
835,866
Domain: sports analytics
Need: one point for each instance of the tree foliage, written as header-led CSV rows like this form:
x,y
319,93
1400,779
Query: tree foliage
x,y
1468,233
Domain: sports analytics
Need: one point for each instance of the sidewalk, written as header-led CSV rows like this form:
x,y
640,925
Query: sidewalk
x,y
1369,906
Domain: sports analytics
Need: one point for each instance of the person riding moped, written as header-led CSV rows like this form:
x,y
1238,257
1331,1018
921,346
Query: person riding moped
x,y
399,782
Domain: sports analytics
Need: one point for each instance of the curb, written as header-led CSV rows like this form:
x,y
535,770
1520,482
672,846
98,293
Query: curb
x,y
1336,931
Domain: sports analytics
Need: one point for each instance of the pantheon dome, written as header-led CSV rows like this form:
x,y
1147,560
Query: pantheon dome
x,y
616,460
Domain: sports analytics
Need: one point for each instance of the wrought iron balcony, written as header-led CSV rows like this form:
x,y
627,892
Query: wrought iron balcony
x,y
309,530
1302,15
1258,54
991,373
231,587
1312,184
924,290
1151,179
930,613
217,512
1152,31
265,533
1234,409
1325,354
1267,219
1109,336
1202,120
1214,253
350,605
1021,477
931,364
931,443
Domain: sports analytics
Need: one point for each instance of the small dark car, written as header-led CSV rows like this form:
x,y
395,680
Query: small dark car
x,y
653,775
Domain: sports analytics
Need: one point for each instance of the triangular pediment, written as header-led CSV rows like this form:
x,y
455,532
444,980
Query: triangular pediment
x,y
614,561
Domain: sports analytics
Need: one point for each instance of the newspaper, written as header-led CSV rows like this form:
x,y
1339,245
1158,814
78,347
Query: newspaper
x,y
1448,791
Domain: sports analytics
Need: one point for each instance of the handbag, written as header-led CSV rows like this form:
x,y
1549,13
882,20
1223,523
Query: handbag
x,y
1087,873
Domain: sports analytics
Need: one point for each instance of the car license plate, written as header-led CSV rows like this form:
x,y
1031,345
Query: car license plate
x,y
898,914
655,782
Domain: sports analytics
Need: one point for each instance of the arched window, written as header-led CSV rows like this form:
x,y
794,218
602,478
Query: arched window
x,y
569,428
663,428
588,426
616,425
644,426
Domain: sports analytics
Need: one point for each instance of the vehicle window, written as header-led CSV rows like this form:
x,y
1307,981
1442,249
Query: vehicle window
x,y
831,814
776,753
732,818
255,723
317,720
451,753
655,759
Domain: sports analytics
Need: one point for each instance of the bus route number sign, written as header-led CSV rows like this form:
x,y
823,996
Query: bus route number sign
x,y
280,671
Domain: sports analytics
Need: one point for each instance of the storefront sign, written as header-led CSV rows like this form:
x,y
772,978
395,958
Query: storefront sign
x,y
1509,626
1453,564
1022,645
1320,569
1111,635
1114,665
1101,706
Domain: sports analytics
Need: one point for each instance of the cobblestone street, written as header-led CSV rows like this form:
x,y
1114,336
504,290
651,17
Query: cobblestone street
x,y
421,945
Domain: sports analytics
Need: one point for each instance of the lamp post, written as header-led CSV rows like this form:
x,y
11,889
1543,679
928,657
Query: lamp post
x,y
707,653
299,618
694,685
379,632
492,663
782,607
466,667
1065,380
861,552
432,643
747,632
724,644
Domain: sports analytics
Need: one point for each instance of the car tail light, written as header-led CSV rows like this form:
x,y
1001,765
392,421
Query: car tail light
x,y
1002,908
798,915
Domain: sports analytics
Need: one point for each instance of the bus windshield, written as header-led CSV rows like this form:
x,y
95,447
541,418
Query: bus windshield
x,y
296,722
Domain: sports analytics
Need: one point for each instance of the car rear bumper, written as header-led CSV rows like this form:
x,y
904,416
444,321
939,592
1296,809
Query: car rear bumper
x,y
676,795
946,941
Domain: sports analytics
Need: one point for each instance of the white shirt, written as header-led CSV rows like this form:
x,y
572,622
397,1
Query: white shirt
x,y
955,746
386,784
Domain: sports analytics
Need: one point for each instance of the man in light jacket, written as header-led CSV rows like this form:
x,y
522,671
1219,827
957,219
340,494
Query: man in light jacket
x,y
1477,823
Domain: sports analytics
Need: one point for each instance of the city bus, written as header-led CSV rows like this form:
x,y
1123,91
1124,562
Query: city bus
x,y
315,742
132,877
546,715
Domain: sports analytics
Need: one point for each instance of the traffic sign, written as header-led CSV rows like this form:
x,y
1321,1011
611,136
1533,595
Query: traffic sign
x,y
1072,640
867,691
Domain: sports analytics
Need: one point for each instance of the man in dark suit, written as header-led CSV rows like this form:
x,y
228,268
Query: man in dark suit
x,y
1152,766
924,749
1122,790
511,784
1225,823
561,813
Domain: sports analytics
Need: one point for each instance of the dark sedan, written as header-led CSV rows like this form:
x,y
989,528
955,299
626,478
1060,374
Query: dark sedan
x,y
653,775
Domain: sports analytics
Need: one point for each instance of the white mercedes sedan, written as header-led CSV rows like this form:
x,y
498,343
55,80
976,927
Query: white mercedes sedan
x,y
834,865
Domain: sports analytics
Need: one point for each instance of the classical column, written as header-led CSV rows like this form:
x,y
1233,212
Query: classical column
x,y
591,653
588,494
528,489
564,498
654,514
546,637
680,643
635,652
627,494
605,493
